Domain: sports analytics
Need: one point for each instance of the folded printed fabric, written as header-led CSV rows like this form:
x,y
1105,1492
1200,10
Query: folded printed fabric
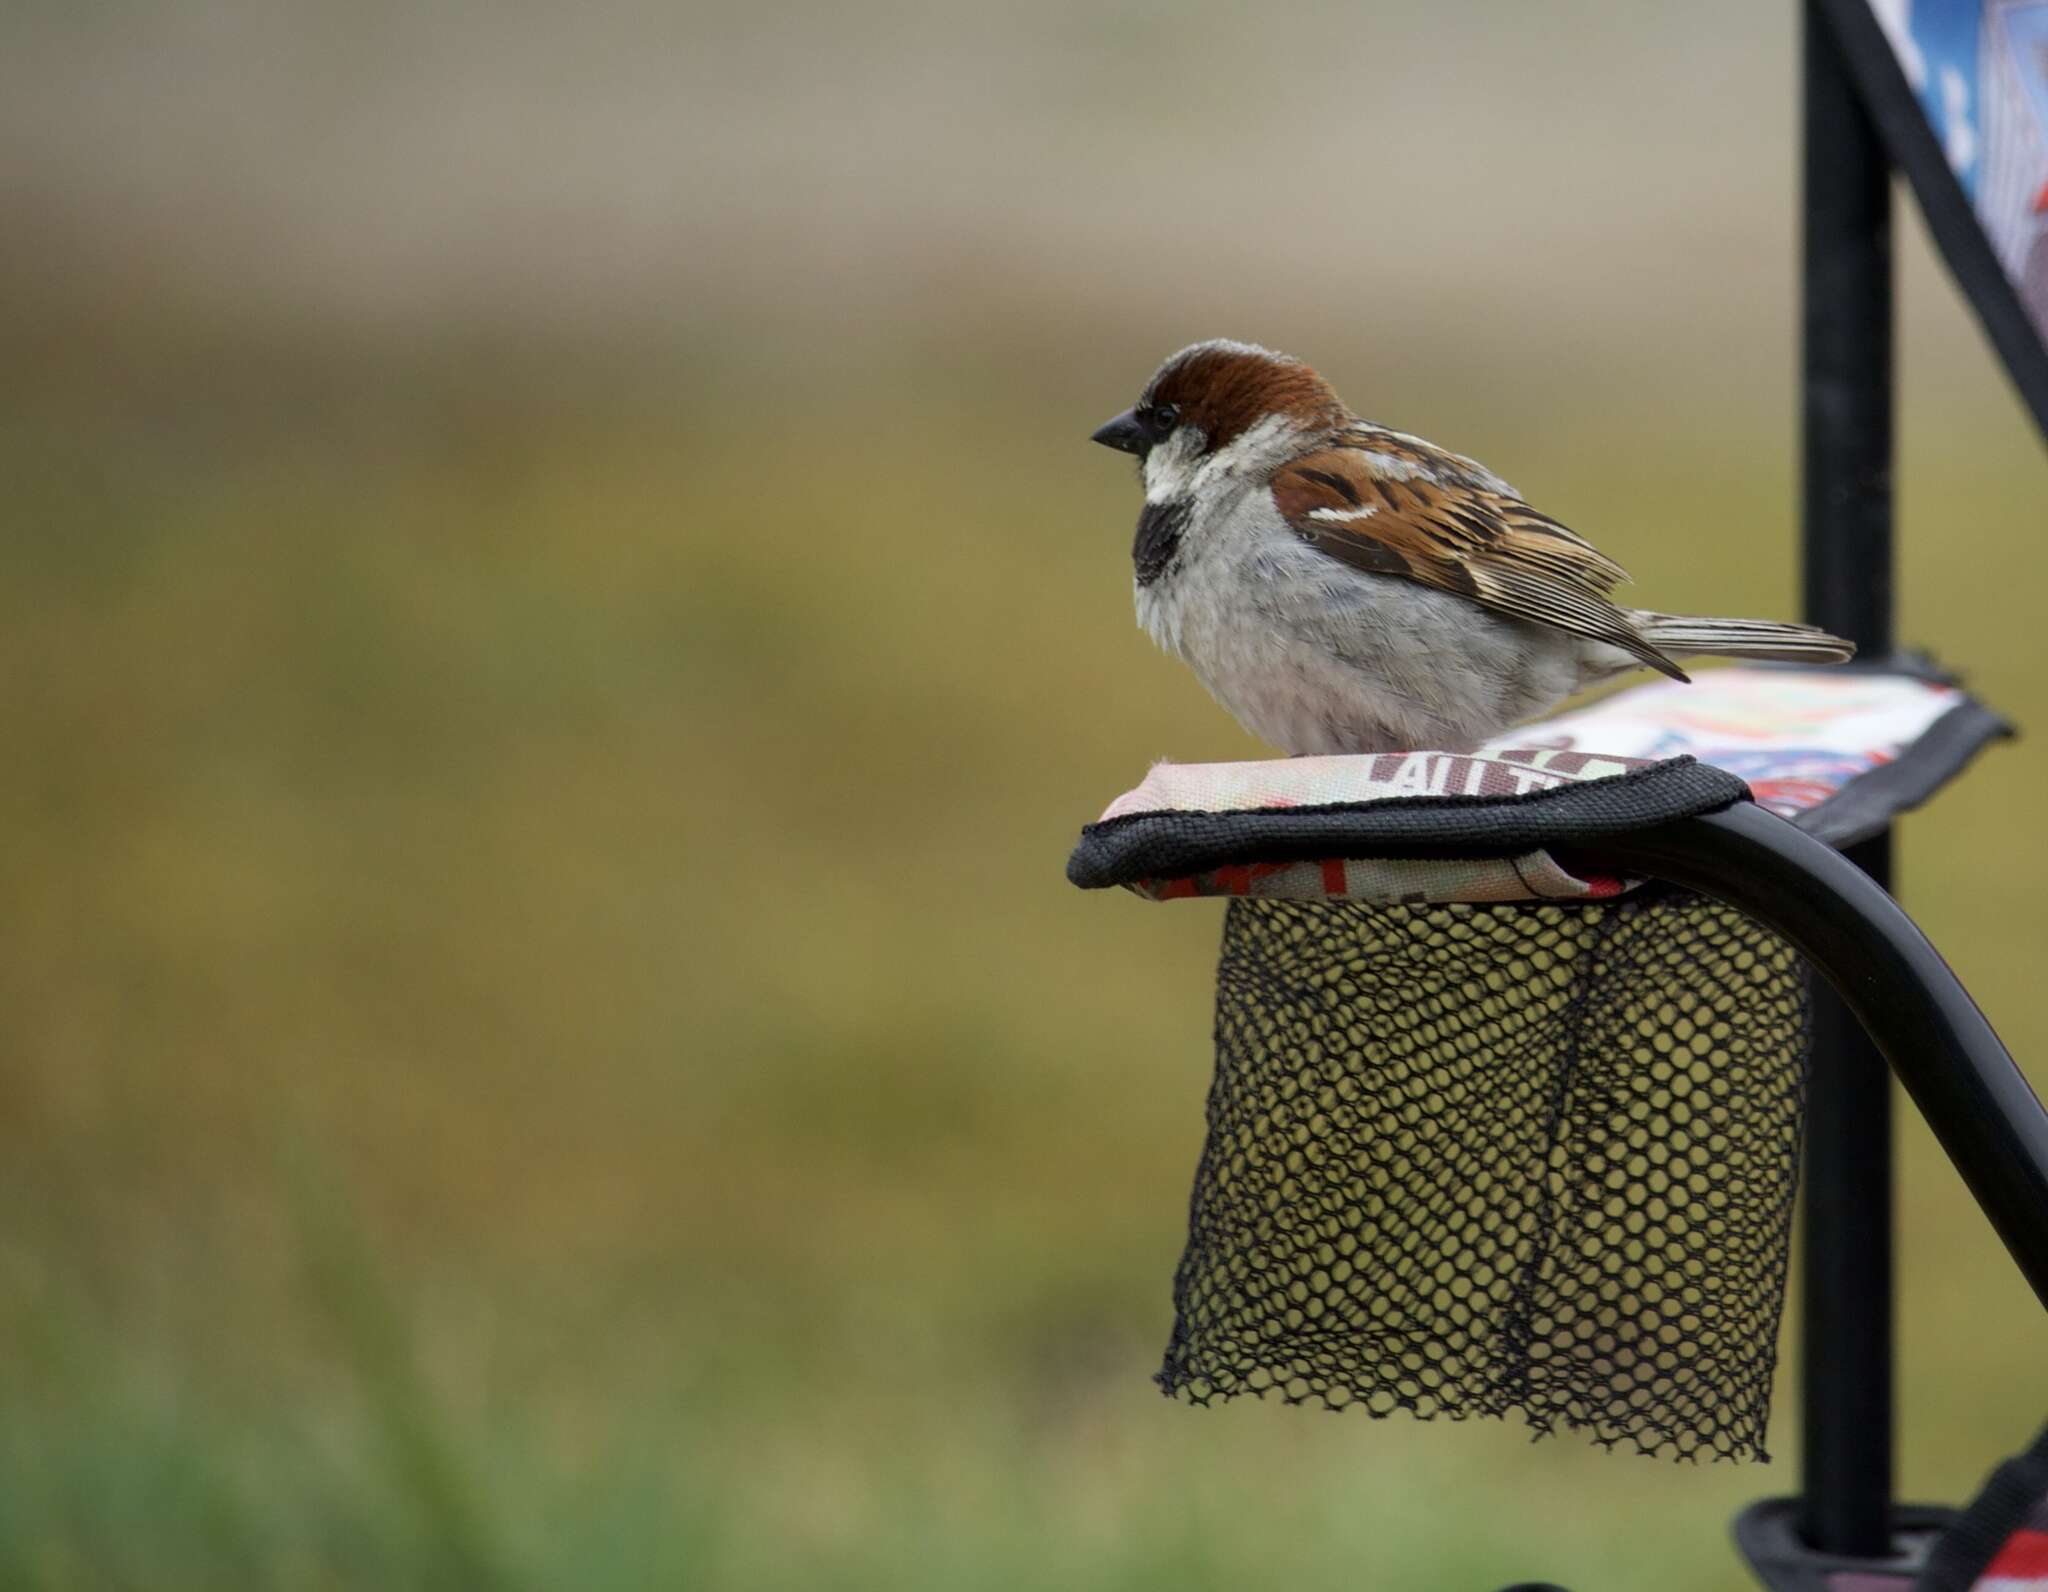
x,y
1839,752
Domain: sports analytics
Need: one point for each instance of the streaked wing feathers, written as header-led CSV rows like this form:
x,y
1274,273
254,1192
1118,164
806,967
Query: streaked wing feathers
x,y
1390,505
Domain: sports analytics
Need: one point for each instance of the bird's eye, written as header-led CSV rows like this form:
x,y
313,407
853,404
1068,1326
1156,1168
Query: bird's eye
x,y
1163,418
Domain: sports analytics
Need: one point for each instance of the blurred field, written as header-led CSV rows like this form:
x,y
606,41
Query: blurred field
x,y
545,1042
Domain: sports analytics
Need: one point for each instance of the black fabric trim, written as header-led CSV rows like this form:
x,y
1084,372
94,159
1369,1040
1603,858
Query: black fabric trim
x,y
1172,845
1870,801
1957,232
2008,1499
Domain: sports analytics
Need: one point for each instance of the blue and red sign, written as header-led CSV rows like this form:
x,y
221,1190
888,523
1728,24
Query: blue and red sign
x,y
1979,69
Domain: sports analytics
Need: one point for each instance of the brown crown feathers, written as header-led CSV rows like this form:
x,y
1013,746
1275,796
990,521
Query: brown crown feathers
x,y
1226,388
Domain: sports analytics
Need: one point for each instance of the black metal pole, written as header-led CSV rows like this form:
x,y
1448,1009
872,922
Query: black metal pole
x,y
1846,1347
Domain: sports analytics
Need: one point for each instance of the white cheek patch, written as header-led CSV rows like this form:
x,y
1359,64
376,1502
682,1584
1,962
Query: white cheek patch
x,y
1264,446
1176,468
1170,467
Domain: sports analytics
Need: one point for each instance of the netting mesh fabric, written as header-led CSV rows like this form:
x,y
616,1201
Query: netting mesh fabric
x,y
1473,1160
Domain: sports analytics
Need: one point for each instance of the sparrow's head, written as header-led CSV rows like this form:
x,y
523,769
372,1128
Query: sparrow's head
x,y
1222,409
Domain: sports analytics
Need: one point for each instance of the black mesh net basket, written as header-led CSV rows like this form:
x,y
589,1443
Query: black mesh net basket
x,y
1473,1160
1495,1131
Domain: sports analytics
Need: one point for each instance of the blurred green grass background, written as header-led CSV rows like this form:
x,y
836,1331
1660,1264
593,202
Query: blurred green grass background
x,y
544,1040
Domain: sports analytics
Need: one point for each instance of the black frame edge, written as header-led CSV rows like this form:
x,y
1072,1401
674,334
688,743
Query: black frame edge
x,y
1867,804
1175,844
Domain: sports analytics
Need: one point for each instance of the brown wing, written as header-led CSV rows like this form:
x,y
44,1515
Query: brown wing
x,y
1384,510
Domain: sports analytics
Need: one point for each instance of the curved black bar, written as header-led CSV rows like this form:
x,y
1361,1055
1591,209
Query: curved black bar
x,y
1953,1065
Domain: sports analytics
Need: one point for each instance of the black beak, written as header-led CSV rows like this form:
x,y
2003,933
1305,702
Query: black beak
x,y
1124,434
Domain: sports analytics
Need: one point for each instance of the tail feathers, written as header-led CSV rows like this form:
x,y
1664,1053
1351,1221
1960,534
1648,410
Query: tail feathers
x,y
1685,637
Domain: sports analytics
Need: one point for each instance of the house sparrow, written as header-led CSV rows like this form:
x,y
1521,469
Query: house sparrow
x,y
1340,587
